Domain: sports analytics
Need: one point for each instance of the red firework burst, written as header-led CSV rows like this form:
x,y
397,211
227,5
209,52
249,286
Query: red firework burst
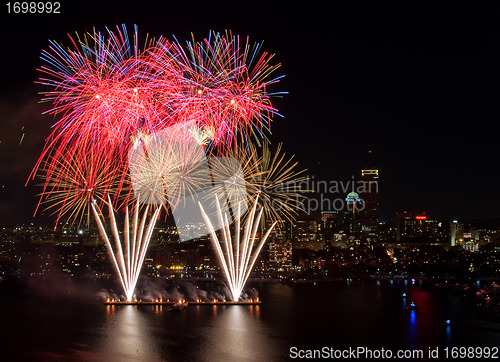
x,y
107,92
225,84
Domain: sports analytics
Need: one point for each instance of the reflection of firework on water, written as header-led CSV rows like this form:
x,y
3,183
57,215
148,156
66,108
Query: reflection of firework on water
x,y
226,86
72,183
270,177
240,253
128,255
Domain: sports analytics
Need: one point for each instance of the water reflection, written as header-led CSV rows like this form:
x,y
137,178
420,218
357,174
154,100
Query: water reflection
x,y
412,329
448,334
254,311
127,334
306,316
236,334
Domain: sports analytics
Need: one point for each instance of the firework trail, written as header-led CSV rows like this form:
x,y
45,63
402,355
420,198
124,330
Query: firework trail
x,y
128,255
240,253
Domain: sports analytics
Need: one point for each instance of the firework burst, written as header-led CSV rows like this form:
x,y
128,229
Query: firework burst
x,y
104,92
227,82
171,164
72,183
270,178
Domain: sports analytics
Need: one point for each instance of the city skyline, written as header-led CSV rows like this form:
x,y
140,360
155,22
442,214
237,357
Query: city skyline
x,y
323,195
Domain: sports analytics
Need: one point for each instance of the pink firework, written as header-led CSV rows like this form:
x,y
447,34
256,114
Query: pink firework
x,y
225,86
104,93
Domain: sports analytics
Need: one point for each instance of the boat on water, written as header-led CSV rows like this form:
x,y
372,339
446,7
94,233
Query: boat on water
x,y
177,307
412,306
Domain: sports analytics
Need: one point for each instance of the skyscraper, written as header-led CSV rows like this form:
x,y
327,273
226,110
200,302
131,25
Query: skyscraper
x,y
368,192
354,203
307,235
456,232
329,222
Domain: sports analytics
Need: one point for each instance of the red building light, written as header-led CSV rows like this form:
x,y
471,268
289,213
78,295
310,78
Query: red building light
x,y
421,217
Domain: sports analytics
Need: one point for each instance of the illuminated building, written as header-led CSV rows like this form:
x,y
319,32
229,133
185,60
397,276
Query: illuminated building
x,y
456,232
280,255
307,229
416,228
468,240
354,204
329,224
329,218
306,236
369,215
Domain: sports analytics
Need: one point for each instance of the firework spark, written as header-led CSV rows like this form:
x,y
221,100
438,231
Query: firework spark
x,y
105,93
281,193
270,178
227,82
128,255
72,183
241,252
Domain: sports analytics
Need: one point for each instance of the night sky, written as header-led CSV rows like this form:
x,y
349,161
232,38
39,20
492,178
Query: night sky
x,y
416,83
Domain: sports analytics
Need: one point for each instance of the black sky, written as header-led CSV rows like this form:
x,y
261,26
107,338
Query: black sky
x,y
417,83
